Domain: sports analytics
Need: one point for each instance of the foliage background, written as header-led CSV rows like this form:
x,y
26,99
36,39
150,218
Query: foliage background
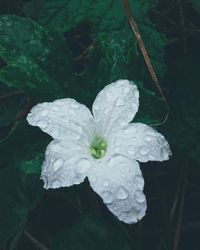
x,y
51,49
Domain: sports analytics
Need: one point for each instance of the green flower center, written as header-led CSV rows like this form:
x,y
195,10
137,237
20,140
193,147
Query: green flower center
x,y
98,147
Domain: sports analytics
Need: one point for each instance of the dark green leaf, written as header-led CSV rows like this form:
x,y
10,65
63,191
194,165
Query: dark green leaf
x,y
91,233
37,61
18,194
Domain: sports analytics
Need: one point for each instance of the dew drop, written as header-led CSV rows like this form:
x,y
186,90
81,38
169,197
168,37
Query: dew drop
x,y
59,102
122,121
144,150
92,178
120,102
121,194
42,124
71,112
44,113
131,150
57,164
106,183
126,90
84,166
55,183
139,181
96,107
107,197
139,196
55,109
147,138
118,141
134,106
74,104
151,157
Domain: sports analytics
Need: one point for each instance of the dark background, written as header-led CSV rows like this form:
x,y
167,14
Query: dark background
x,y
75,218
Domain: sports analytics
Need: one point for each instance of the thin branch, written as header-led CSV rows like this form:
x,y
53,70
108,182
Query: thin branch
x,y
147,60
11,94
178,226
37,243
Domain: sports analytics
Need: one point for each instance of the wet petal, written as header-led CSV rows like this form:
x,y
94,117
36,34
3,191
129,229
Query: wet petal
x,y
140,142
119,182
65,164
115,105
64,118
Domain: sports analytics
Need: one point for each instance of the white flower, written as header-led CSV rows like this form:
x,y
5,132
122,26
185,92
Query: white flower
x,y
105,147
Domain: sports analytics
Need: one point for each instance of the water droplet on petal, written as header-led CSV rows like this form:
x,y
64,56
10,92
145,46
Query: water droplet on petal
x,y
139,181
96,106
59,102
106,183
120,102
44,113
151,157
126,90
144,150
55,109
118,141
134,106
121,194
107,197
55,132
122,121
147,138
131,150
55,183
84,165
42,124
71,112
139,196
74,105
57,164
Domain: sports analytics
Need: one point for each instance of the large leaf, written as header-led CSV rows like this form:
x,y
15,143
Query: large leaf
x,y
24,149
104,17
37,60
91,233
183,126
19,194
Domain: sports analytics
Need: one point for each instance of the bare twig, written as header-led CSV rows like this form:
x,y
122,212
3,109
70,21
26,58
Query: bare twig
x,y
139,39
11,94
182,199
38,244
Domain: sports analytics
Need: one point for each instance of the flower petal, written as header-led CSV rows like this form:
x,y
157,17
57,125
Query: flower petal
x,y
65,164
120,184
115,105
64,118
140,142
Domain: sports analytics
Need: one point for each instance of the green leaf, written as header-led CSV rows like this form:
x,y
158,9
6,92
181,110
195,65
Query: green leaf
x,y
29,144
196,5
19,194
183,126
37,60
105,17
91,233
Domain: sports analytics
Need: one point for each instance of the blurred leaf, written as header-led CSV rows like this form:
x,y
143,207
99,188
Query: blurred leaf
x,y
28,144
105,19
37,60
18,194
196,5
183,126
91,233
9,108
